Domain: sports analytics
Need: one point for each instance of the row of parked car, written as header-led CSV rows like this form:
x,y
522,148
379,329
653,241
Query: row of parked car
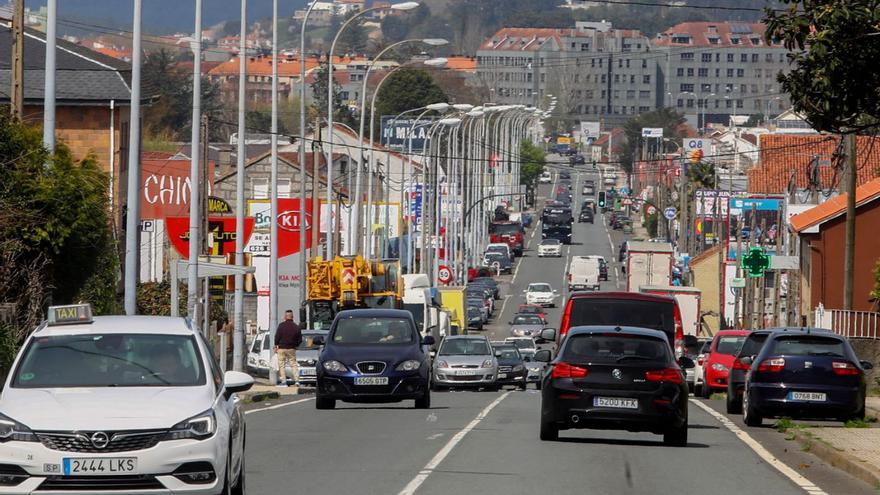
x,y
794,372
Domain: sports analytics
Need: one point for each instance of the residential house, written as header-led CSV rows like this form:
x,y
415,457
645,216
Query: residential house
x,y
92,100
821,235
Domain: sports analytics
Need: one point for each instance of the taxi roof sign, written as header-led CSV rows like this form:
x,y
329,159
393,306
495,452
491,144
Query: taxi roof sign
x,y
70,314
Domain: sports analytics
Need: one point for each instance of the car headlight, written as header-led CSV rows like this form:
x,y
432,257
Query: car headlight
x,y
334,366
13,431
408,365
307,362
517,368
442,364
264,363
198,427
487,364
719,367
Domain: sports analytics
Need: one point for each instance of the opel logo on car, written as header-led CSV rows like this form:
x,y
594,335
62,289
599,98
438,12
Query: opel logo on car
x,y
100,439
617,374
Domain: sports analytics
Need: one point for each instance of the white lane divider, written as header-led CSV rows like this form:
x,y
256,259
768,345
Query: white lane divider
x,y
278,406
420,478
807,485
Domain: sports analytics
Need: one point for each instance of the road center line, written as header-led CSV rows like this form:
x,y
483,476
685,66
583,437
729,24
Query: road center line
x,y
762,452
420,478
278,406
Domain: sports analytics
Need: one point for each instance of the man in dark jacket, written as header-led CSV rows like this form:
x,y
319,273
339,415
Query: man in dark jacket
x,y
288,337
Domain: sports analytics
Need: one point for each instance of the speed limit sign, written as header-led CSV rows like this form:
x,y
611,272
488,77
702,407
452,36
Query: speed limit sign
x,y
444,274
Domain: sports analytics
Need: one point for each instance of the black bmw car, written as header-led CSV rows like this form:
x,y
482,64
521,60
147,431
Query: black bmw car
x,y
614,378
511,366
374,355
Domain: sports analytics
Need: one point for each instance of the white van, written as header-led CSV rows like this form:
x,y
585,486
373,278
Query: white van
x,y
583,273
546,178
500,247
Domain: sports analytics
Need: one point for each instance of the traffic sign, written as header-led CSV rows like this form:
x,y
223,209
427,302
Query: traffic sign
x,y
627,201
444,274
669,213
348,276
737,283
756,262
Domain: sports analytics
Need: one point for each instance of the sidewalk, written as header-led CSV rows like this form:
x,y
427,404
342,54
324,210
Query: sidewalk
x,y
262,390
853,450
872,406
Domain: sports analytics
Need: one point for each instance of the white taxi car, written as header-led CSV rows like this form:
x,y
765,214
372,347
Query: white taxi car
x,y
541,294
120,404
550,247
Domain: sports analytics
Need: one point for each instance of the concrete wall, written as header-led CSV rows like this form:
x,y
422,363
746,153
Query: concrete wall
x,y
869,350
705,277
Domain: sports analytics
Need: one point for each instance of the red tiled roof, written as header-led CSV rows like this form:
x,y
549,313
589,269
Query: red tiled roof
x,y
524,39
782,154
466,64
835,207
699,34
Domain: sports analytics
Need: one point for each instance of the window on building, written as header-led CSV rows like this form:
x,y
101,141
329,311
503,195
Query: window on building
x,y
703,72
740,72
686,88
734,41
623,110
681,39
585,47
743,57
758,104
728,103
632,79
617,78
739,103
630,93
717,72
593,62
754,88
690,72
755,58
758,73
646,79
718,57
616,94
743,88
768,57
690,103
644,109
717,103
705,88
728,87
644,64
259,188
543,77
729,72
679,103
644,94
706,57
602,78
528,77
687,57
627,63
603,94
679,72
714,40
620,63
730,57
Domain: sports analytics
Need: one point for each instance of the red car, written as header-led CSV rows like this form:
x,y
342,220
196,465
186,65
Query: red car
x,y
719,360
532,309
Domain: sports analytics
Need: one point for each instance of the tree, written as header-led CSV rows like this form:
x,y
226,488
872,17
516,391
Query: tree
x,y
667,118
56,243
407,89
833,51
532,162
354,39
755,120
701,175
342,113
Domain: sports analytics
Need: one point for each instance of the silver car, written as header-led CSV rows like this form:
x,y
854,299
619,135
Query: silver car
x,y
526,325
307,356
465,361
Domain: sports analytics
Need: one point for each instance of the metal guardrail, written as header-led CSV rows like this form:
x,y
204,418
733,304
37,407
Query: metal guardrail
x,y
854,324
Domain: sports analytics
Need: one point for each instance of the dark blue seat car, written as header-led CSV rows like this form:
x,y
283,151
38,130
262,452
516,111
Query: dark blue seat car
x,y
374,355
804,373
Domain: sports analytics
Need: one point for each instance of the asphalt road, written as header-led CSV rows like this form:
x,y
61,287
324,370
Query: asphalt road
x,y
487,442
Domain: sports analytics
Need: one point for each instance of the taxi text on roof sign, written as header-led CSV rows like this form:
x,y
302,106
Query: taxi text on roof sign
x,y
66,315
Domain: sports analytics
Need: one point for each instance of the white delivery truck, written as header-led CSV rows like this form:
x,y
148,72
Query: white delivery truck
x,y
420,299
649,264
583,273
688,299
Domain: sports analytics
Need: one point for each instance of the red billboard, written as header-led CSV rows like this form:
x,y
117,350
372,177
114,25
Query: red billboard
x,y
288,222
166,187
223,229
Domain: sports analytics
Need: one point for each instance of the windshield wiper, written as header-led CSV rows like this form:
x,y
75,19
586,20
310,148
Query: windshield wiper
x,y
823,353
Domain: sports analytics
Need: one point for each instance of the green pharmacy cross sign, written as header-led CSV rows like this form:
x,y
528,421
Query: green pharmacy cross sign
x,y
756,262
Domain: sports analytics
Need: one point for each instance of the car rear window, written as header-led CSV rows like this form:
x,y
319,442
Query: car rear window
x,y
623,312
729,344
753,344
808,345
614,348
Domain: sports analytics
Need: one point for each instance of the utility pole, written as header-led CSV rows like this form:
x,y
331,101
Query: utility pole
x,y
240,206
760,298
49,86
683,206
133,201
17,90
777,275
192,288
316,202
850,246
750,285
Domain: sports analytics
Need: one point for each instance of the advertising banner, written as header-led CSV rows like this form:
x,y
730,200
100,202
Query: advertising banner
x,y
166,187
222,230
396,133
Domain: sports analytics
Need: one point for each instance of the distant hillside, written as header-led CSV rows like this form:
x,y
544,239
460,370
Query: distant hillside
x,y
159,16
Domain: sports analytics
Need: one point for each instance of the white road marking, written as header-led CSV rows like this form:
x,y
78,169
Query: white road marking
x,y
763,453
278,406
420,478
504,304
435,436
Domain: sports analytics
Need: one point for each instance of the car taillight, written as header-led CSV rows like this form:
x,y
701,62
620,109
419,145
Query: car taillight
x,y
774,365
566,320
844,368
679,331
739,365
565,370
669,375
700,361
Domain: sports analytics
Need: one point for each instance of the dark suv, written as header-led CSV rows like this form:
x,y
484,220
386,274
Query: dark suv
x,y
374,355
614,378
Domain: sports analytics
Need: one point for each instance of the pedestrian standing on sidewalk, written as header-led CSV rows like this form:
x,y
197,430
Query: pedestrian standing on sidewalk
x,y
288,337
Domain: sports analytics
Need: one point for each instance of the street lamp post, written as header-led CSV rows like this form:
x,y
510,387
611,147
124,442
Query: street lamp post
x,y
355,226
332,224
238,302
195,216
303,252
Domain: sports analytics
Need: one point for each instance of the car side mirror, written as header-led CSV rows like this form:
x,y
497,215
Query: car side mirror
x,y
686,362
867,365
548,334
236,381
510,323
428,340
543,356
497,353
318,341
747,360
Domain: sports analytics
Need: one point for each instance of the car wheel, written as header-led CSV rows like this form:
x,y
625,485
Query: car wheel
x,y
523,385
677,437
751,416
425,401
734,405
538,385
549,432
698,389
706,391
325,403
